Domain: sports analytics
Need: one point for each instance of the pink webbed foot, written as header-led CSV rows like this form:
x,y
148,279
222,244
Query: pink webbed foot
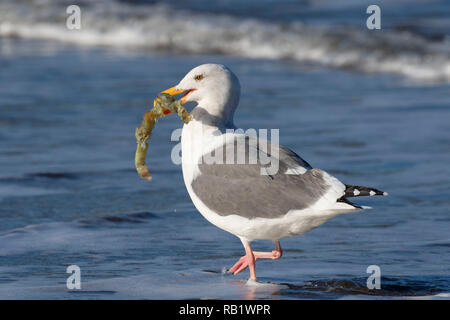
x,y
240,265
248,261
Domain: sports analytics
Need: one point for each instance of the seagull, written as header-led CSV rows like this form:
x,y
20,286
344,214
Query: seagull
x,y
243,197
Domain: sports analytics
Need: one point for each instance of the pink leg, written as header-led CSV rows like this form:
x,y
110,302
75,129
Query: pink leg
x,y
251,262
243,262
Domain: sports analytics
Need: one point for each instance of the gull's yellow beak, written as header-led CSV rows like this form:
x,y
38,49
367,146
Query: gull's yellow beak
x,y
173,91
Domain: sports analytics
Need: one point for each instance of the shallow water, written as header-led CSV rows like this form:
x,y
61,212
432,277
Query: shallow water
x,y
69,193
414,39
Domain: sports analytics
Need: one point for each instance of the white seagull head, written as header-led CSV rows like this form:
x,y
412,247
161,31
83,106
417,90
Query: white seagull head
x,y
214,88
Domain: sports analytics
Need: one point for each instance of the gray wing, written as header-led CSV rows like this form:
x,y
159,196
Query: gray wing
x,y
241,189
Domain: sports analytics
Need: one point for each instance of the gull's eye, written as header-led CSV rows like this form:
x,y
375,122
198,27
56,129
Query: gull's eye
x,y
199,77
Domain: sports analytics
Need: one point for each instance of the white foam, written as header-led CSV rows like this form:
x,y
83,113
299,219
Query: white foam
x,y
158,27
263,285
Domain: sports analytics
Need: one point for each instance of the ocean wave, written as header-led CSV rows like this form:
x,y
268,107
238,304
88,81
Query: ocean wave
x,y
158,27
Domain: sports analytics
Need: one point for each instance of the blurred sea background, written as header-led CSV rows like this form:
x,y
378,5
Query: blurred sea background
x,y
370,107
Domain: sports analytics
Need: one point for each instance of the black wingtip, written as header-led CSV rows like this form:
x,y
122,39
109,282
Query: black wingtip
x,y
360,191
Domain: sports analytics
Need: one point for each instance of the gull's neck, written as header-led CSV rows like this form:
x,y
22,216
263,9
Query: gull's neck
x,y
214,115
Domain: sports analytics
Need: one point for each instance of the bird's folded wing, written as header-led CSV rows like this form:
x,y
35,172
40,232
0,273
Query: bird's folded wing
x,y
241,189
